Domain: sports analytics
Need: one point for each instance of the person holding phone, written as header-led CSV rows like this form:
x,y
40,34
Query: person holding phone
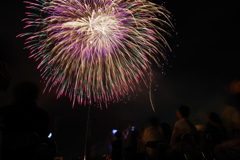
x,y
131,142
116,153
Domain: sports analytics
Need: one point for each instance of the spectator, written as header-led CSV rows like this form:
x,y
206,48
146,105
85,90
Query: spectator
x,y
167,131
23,115
154,139
117,147
212,134
131,143
181,127
214,127
230,149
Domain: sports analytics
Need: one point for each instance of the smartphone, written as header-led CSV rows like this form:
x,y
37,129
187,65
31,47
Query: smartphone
x,y
50,135
114,131
133,128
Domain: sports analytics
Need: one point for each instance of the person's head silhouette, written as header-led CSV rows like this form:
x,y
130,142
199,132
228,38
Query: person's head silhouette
x,y
25,91
154,121
214,118
183,112
118,135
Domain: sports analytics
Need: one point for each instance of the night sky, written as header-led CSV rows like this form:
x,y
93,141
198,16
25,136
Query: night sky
x,y
206,59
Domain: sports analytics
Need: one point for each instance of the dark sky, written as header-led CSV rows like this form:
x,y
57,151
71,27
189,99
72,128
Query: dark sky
x,y
206,59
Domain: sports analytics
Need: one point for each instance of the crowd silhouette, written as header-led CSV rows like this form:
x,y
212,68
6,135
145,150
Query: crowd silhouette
x,y
158,142
219,138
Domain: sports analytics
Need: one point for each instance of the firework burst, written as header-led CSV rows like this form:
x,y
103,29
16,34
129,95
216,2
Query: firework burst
x,y
96,51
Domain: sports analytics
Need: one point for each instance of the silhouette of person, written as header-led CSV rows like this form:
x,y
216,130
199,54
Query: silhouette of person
x,y
167,131
230,149
23,115
131,143
181,127
214,126
213,133
154,139
117,147
214,121
231,113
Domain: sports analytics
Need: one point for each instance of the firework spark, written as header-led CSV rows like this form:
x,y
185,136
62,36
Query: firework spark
x,y
96,51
